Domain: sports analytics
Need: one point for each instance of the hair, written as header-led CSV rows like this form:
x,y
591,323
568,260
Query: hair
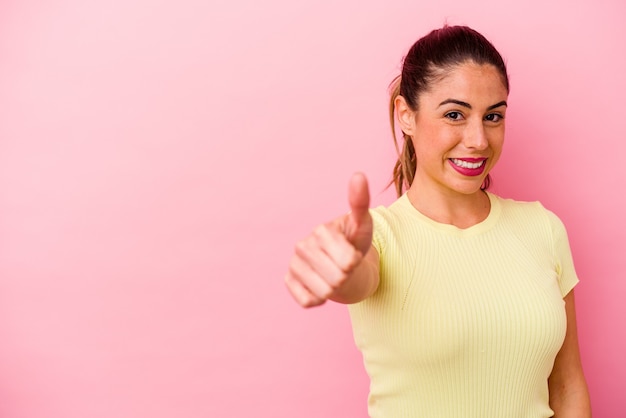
x,y
428,60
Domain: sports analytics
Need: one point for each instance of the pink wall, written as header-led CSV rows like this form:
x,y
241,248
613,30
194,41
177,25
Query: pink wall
x,y
158,160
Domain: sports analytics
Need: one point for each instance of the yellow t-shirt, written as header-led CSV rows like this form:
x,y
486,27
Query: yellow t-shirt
x,y
465,322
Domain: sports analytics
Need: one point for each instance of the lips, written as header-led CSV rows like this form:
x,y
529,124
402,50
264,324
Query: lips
x,y
468,166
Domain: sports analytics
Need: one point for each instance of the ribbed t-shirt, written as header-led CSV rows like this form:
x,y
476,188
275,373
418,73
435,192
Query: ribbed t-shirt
x,y
465,322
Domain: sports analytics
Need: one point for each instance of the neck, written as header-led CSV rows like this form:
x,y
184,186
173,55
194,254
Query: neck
x,y
450,207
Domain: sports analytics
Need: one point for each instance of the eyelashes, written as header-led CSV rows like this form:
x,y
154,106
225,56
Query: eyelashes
x,y
491,117
454,115
494,117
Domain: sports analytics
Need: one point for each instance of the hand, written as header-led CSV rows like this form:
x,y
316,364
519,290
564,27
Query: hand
x,y
324,262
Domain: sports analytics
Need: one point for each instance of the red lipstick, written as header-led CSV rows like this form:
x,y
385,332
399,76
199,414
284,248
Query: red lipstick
x,y
469,166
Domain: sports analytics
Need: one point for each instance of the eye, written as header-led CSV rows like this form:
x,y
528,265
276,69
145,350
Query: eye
x,y
454,115
494,117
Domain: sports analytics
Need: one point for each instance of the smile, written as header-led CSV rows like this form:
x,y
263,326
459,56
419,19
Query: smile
x,y
467,164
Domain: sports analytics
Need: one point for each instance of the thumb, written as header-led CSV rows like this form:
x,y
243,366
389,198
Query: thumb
x,y
358,223
359,198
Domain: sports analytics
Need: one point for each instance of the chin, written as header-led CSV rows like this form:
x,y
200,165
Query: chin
x,y
469,187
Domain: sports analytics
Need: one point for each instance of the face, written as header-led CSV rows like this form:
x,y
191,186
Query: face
x,y
458,129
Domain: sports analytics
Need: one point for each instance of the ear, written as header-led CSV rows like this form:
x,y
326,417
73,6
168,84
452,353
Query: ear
x,y
406,116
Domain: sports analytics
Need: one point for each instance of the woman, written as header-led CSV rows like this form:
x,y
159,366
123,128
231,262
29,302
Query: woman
x,y
462,302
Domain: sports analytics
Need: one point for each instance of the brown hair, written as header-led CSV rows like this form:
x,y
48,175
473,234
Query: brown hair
x,y
428,60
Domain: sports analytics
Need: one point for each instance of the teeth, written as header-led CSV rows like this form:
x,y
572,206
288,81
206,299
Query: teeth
x,y
466,164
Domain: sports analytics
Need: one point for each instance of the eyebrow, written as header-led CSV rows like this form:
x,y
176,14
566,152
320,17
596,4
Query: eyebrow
x,y
469,106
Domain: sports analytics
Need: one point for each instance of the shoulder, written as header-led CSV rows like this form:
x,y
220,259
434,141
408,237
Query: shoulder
x,y
389,221
531,215
393,216
533,211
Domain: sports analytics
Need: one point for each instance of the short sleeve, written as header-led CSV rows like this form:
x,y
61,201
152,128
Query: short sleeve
x,y
380,225
566,273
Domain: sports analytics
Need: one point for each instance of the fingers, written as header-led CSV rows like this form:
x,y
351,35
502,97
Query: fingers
x,y
325,260
301,294
329,253
321,264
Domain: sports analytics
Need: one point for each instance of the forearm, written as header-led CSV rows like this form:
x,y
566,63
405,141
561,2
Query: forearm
x,y
569,396
361,284
572,402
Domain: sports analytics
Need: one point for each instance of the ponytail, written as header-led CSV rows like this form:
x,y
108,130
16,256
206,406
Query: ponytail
x,y
404,169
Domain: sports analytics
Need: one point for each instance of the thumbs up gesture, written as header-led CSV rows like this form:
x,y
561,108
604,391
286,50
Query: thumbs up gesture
x,y
328,264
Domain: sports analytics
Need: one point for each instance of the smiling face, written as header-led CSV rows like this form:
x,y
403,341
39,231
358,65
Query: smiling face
x,y
457,129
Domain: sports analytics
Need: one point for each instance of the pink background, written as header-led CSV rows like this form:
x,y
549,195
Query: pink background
x,y
159,159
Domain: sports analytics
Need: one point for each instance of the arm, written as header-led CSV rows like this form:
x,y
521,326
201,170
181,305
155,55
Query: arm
x,y
362,283
336,261
569,397
311,286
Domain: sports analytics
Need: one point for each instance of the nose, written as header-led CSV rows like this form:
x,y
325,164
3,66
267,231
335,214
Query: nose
x,y
476,136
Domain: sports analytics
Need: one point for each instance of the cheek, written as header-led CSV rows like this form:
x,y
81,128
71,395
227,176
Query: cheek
x,y
497,140
437,139
496,144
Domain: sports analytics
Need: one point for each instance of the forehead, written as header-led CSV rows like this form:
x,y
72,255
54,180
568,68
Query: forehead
x,y
470,82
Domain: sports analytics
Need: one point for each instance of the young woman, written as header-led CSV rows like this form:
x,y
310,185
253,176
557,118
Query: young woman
x,y
462,302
